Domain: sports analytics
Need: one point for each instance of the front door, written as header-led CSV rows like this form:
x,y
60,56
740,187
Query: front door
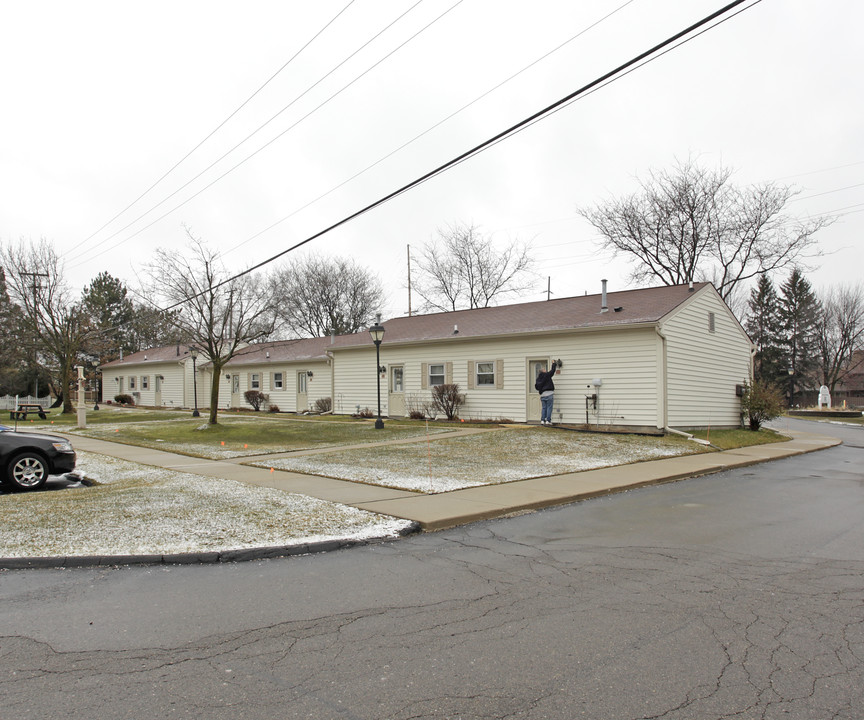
x,y
236,398
535,367
396,395
302,401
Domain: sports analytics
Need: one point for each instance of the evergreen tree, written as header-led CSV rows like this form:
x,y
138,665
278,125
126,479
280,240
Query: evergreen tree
x,y
765,329
799,314
13,359
110,313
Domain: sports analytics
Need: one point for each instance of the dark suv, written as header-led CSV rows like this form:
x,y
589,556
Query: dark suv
x,y
27,459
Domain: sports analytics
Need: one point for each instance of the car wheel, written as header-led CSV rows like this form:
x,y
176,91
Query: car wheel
x,y
27,471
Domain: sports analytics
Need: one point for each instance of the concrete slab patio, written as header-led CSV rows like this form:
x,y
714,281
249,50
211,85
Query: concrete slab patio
x,y
447,509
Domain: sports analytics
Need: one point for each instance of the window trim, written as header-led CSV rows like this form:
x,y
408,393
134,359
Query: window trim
x,y
491,374
442,374
278,381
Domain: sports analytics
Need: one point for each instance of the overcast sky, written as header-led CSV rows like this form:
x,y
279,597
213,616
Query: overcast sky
x,y
101,99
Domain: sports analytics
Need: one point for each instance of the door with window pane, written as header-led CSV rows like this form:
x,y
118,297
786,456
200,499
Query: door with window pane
x,y
535,367
236,397
302,397
396,393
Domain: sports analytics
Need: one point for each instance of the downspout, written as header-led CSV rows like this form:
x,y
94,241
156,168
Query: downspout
x,y
664,405
331,361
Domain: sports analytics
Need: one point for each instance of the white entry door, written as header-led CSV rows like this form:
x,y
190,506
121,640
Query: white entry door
x,y
396,394
535,367
302,397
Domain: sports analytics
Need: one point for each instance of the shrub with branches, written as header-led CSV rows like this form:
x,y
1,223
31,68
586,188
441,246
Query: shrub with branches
x,y
447,400
323,405
124,399
255,398
416,406
760,402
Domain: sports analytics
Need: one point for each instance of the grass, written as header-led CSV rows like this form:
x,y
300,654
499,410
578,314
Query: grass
x,y
246,435
137,511
731,439
497,456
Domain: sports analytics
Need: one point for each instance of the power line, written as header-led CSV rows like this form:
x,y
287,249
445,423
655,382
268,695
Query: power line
x,y
217,128
428,130
281,134
621,70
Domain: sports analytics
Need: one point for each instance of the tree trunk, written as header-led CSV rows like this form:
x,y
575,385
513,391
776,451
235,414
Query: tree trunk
x,y
214,394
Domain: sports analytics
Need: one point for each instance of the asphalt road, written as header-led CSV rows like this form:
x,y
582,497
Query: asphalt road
x,y
738,595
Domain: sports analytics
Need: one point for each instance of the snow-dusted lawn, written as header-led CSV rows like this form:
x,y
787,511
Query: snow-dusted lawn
x,y
500,456
145,510
246,436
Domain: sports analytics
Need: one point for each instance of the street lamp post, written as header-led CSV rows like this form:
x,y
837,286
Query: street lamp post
x,y
377,333
193,352
791,371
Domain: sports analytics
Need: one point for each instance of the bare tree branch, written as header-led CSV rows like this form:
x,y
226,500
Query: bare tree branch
x,y
461,269
692,223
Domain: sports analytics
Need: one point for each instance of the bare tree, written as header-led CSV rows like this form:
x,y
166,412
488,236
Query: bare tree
x,y
217,315
53,320
461,269
840,332
319,295
692,223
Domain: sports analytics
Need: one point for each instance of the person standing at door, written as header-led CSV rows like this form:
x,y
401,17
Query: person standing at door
x,y
546,388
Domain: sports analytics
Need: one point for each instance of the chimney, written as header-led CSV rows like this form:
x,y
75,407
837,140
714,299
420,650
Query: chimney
x,y
604,307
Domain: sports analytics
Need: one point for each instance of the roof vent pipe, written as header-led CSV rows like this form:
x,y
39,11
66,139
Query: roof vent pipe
x,y
690,287
604,307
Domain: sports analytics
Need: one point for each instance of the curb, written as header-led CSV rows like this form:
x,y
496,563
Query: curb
x,y
196,558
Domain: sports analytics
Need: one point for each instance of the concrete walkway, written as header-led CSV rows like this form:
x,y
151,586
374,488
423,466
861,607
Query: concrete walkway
x,y
443,510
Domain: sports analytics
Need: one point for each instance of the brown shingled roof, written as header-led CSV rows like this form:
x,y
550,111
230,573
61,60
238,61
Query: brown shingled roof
x,y
282,351
647,305
168,353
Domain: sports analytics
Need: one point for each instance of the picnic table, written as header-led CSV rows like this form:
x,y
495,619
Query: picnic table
x,y
27,408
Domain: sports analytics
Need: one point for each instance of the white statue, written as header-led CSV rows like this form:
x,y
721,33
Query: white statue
x,y
824,397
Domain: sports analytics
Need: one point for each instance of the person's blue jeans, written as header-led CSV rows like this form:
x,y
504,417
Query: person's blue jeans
x,y
546,408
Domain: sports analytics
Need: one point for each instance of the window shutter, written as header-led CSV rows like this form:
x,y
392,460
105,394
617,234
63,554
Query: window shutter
x,y
448,373
248,381
424,376
471,377
499,374
270,381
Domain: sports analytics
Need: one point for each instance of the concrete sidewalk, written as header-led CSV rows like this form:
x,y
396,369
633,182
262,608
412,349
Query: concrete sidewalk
x,y
443,510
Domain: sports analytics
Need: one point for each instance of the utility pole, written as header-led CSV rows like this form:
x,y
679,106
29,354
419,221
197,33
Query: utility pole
x,y
36,287
409,281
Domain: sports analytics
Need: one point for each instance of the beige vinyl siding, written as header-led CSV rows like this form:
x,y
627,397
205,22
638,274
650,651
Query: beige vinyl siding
x,y
626,360
318,386
703,367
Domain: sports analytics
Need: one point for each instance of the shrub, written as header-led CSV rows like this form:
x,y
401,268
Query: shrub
x,y
124,399
323,405
255,398
366,413
416,406
447,399
761,402
273,408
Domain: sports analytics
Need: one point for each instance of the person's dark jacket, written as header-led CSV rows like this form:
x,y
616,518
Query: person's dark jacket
x,y
544,380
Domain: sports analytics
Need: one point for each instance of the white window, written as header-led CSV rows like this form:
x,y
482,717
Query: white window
x,y
485,374
436,375
277,381
255,381
131,383
145,382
